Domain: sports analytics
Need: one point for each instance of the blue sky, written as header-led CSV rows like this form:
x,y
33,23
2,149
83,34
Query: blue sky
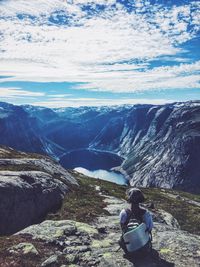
x,y
79,52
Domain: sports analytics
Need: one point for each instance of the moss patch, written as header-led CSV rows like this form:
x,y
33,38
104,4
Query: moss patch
x,y
22,255
107,255
82,227
24,245
105,243
24,248
166,251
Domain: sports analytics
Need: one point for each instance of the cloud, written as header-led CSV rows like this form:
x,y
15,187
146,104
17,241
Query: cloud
x,y
111,49
182,76
77,102
36,8
13,93
59,96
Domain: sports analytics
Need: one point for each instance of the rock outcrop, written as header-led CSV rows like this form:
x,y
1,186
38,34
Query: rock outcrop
x,y
30,187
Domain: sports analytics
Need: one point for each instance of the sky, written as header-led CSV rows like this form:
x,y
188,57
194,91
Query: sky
x,y
103,52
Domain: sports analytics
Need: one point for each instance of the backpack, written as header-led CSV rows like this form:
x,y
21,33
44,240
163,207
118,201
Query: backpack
x,y
134,221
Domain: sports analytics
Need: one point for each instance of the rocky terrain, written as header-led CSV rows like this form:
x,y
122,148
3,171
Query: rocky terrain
x,y
72,243
159,144
30,187
73,220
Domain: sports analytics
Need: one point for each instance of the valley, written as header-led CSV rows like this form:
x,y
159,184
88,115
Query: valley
x,y
151,145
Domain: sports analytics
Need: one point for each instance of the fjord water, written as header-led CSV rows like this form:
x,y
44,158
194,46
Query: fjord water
x,y
110,176
94,163
90,159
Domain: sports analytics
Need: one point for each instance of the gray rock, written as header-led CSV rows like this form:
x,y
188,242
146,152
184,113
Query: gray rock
x,y
24,248
27,196
51,261
62,232
50,231
176,246
165,217
172,247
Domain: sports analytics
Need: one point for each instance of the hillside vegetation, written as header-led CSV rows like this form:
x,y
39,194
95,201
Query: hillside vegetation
x,y
85,203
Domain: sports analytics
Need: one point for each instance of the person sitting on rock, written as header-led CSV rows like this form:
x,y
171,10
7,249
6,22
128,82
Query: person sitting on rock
x,y
134,213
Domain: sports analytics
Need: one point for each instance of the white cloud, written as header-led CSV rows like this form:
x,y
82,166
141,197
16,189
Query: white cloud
x,y
182,76
77,102
58,96
36,51
35,8
18,93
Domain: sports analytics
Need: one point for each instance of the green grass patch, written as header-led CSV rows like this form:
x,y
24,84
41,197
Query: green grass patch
x,y
188,215
82,203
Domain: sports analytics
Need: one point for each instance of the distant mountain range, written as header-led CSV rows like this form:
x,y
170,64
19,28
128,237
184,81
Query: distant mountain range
x,y
159,144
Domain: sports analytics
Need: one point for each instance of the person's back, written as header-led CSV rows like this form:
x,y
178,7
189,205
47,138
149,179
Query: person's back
x,y
134,214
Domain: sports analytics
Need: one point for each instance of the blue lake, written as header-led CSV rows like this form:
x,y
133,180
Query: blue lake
x,y
110,176
90,159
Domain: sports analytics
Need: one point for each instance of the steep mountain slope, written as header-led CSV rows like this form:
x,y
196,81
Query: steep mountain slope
x,y
17,129
21,130
167,155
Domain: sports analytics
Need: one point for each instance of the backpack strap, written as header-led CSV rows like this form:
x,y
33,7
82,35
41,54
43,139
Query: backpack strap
x,y
138,217
129,215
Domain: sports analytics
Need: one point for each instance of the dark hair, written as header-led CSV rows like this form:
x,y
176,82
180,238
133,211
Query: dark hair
x,y
135,195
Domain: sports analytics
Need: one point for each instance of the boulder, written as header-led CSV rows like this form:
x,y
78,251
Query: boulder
x,y
29,189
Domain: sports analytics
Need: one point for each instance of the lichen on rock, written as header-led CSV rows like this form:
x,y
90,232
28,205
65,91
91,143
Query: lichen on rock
x,y
24,248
